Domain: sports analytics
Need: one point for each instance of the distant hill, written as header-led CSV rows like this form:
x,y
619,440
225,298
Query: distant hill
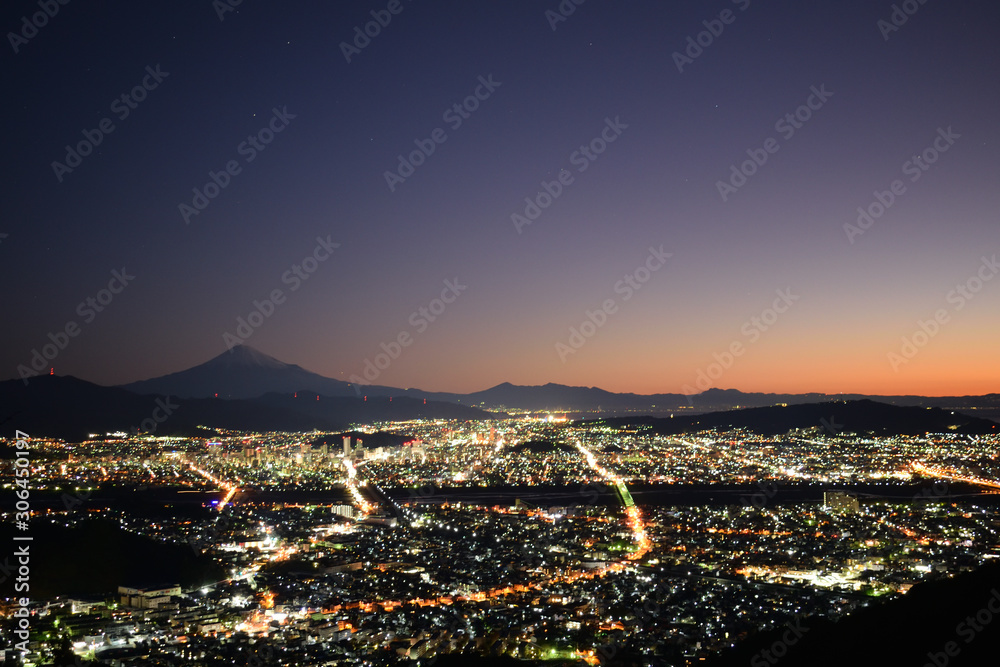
x,y
370,409
562,397
864,417
244,372
94,557
70,408
579,400
542,447
913,630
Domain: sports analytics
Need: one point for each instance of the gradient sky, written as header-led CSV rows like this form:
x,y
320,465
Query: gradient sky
x,y
655,185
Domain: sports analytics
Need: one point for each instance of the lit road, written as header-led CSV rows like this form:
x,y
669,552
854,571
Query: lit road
x,y
954,476
633,519
231,489
632,513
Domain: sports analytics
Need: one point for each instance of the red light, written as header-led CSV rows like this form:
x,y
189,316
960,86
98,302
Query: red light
x,y
52,371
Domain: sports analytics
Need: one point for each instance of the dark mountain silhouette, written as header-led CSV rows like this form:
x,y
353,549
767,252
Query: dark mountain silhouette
x,y
371,408
558,397
917,629
579,400
69,408
105,556
863,417
542,447
244,372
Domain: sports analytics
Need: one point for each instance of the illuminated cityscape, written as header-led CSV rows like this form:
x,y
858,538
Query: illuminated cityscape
x,y
537,539
548,333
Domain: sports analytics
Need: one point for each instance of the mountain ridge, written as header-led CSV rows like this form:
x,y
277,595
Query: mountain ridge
x,y
863,416
69,408
247,373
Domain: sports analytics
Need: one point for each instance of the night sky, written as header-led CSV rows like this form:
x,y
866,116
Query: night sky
x,y
630,132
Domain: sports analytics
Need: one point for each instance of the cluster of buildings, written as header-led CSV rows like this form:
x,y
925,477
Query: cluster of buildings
x,y
336,552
